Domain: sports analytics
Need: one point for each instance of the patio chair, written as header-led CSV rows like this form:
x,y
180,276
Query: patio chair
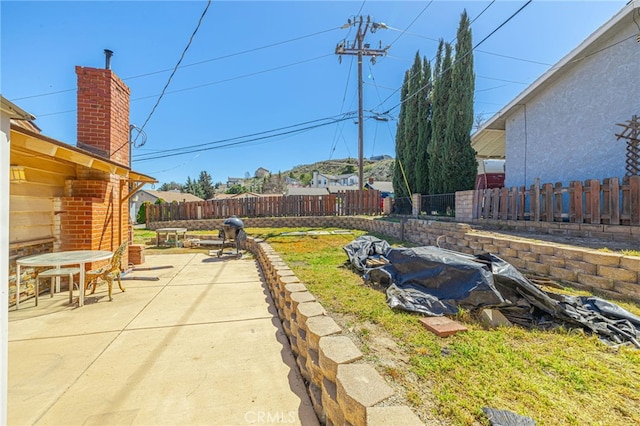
x,y
107,273
54,273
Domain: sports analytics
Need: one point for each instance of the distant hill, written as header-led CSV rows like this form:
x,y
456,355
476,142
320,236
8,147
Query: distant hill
x,y
276,183
380,170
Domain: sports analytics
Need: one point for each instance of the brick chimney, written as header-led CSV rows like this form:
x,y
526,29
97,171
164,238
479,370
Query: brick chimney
x,y
103,114
95,217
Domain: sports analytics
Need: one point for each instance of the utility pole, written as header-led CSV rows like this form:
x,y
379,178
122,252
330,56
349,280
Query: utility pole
x,y
360,49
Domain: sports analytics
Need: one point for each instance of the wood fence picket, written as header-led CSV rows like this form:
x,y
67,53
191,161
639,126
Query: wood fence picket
x,y
607,202
364,202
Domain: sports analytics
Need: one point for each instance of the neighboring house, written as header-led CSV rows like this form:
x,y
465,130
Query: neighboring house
x,y
341,188
380,157
385,187
321,180
65,197
148,195
296,190
243,195
563,126
262,173
289,181
234,181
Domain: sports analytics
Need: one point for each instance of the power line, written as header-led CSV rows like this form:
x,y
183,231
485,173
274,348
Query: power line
x,y
251,134
242,52
153,110
242,142
240,76
344,98
359,48
412,22
459,59
211,83
514,58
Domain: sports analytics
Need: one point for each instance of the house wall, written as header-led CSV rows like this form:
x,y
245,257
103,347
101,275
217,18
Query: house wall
x,y
32,212
66,206
567,132
134,206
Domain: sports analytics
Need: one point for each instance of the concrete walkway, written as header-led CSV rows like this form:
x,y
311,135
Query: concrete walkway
x,y
202,345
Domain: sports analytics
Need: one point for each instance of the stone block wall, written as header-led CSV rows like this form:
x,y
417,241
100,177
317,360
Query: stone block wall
x,y
612,274
342,389
465,205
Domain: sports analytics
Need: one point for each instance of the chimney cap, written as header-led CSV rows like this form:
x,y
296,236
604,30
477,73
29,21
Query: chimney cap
x,y
108,54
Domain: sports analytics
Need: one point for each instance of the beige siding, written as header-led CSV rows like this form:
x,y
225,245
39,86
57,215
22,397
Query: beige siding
x,y
31,209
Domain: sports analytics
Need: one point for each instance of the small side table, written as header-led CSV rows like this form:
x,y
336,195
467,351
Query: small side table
x,y
168,232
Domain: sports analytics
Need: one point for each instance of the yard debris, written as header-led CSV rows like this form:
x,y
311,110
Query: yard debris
x,y
436,282
442,326
506,418
493,318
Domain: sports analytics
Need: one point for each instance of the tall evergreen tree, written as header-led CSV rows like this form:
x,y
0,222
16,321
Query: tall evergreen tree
x,y
412,122
424,129
170,186
399,187
193,187
441,92
206,184
459,160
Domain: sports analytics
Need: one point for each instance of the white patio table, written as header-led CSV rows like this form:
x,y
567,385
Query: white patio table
x,y
62,258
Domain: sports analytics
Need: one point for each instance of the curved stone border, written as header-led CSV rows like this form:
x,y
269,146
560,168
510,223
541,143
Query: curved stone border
x,y
342,390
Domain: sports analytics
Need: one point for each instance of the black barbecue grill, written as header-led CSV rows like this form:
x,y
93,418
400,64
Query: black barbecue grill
x,y
232,233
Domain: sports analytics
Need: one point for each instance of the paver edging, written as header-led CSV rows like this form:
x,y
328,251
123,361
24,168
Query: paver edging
x,y
307,325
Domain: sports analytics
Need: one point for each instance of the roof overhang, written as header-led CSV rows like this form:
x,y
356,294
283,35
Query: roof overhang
x,y
588,47
489,144
14,111
26,140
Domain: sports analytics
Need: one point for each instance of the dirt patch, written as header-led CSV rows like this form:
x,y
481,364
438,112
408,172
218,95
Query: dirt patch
x,y
393,362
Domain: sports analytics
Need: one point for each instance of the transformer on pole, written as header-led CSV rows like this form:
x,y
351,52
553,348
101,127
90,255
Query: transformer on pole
x,y
359,48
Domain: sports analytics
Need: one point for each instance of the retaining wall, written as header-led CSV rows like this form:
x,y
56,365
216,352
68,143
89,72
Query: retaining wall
x,y
612,274
342,389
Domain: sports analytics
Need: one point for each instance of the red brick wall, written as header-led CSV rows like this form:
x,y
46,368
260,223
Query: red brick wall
x,y
94,218
103,114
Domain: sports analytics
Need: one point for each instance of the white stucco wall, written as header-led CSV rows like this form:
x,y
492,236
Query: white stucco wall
x,y
4,262
571,125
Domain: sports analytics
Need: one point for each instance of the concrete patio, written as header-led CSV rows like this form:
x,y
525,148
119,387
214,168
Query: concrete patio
x,y
201,345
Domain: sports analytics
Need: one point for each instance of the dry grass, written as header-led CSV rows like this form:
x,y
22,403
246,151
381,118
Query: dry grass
x,y
556,377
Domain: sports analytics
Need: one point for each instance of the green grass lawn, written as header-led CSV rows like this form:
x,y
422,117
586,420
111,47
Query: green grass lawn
x,y
559,377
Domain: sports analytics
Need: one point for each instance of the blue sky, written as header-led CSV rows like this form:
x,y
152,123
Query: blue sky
x,y
256,67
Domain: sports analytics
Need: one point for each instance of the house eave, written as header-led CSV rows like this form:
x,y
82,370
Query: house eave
x,y
498,120
14,111
28,141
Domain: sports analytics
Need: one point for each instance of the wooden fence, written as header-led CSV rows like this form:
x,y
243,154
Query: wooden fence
x,y
345,203
591,201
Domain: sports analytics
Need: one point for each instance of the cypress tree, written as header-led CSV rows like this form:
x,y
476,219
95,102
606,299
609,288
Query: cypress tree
x,y
424,129
441,91
412,122
399,187
459,160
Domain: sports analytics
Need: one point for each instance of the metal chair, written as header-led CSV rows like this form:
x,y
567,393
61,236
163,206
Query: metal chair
x,y
107,273
54,273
